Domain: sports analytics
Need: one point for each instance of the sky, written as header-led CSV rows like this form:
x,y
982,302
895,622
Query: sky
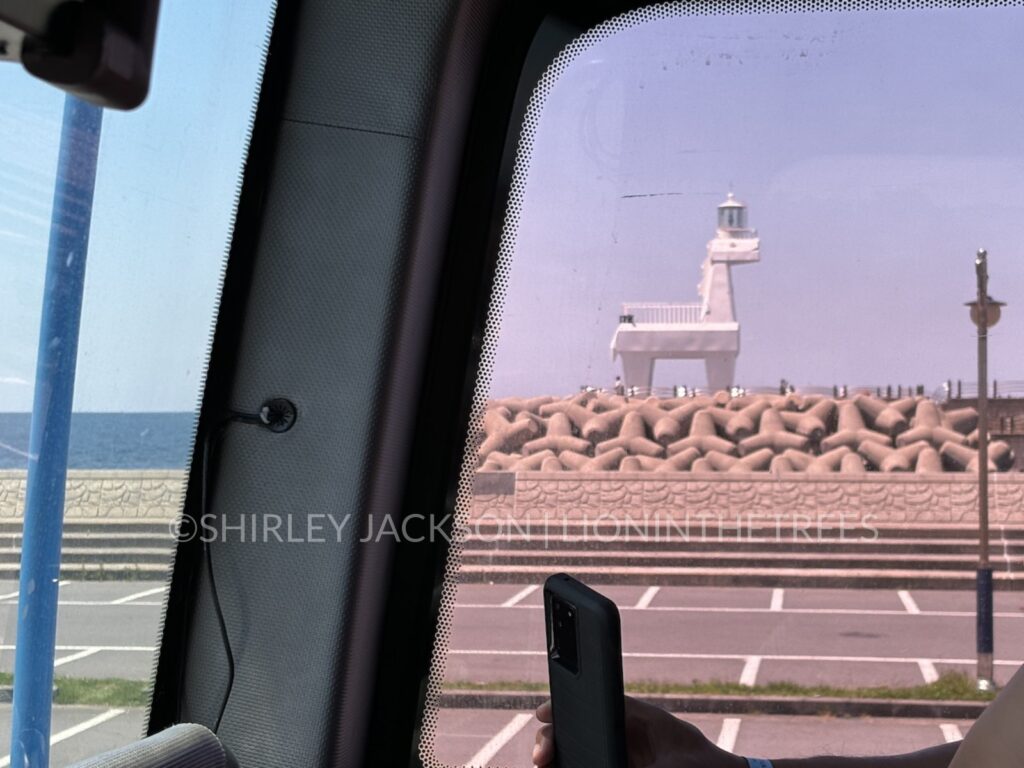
x,y
166,181
876,151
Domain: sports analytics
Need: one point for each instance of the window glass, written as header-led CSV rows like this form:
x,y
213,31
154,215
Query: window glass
x,y
166,186
796,514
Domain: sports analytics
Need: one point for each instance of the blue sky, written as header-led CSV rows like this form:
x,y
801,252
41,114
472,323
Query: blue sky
x,y
165,190
876,151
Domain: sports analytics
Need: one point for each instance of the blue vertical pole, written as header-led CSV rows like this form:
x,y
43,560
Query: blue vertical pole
x,y
48,438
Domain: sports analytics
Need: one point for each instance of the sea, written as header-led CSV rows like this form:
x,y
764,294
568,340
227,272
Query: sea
x,y
108,440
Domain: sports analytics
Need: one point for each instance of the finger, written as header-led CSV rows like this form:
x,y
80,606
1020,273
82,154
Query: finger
x,y
544,712
545,732
642,711
544,749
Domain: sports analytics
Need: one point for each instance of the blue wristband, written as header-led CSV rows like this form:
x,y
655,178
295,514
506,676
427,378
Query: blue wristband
x,y
753,762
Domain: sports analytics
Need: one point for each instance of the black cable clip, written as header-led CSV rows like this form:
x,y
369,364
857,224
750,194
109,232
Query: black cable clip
x,y
278,414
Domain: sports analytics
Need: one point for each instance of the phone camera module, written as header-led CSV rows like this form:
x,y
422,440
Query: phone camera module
x,y
563,640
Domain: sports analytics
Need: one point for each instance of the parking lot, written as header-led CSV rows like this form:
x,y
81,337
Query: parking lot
x,y
481,737
751,636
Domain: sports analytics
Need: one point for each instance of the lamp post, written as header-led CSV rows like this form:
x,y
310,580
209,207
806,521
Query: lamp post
x,y
985,312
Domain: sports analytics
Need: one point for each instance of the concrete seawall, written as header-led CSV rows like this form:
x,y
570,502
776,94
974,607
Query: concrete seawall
x,y
949,498
942,498
116,494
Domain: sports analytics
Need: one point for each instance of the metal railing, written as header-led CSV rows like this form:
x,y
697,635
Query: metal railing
x,y
942,393
657,312
1006,424
955,389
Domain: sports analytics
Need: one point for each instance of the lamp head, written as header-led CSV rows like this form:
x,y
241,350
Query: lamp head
x,y
993,311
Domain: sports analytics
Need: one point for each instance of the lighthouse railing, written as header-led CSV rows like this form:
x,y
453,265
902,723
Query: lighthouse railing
x,y
664,313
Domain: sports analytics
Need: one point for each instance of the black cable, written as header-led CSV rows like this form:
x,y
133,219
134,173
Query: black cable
x,y
276,415
209,441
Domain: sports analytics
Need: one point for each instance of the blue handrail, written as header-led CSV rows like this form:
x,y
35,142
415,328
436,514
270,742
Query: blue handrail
x,y
48,438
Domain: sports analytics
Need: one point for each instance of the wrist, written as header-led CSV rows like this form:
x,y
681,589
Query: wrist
x,y
729,760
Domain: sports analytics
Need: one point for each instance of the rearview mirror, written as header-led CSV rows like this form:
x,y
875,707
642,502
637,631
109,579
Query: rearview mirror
x,y
99,51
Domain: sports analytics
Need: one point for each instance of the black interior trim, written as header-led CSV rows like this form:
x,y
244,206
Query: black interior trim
x,y
525,40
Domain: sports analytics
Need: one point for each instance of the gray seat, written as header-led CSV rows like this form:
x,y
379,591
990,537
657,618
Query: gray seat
x,y
182,746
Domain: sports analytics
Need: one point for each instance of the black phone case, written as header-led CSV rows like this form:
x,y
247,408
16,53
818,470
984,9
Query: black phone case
x,y
588,706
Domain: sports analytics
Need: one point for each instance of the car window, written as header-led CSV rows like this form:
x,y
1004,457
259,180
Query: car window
x,y
733,385
165,192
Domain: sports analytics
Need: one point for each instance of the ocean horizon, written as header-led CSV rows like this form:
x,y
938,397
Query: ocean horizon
x,y
159,440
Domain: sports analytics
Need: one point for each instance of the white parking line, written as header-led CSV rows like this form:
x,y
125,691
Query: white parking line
x,y
750,669
729,609
6,600
115,648
778,596
740,657
928,671
520,595
951,732
499,740
75,656
729,733
137,595
646,597
14,595
80,603
74,730
908,602
1006,552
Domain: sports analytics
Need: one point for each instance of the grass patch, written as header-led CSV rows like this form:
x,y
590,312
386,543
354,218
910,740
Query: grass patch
x,y
952,686
108,692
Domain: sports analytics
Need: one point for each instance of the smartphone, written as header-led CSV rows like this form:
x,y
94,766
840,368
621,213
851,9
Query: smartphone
x,y
585,674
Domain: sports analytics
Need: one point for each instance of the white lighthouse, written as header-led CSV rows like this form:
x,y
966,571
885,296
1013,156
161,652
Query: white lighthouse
x,y
707,330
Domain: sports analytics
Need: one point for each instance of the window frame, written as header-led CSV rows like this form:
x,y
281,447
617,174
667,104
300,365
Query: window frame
x,y
525,39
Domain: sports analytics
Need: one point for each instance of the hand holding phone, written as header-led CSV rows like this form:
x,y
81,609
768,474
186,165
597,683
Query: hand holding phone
x,y
585,675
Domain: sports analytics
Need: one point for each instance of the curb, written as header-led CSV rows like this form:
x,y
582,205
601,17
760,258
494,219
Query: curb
x,y
739,705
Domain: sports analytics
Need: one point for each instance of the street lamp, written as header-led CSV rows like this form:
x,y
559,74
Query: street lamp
x,y
985,312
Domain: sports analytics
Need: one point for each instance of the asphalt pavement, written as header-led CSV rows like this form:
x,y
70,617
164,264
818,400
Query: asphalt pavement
x,y
670,634
494,737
